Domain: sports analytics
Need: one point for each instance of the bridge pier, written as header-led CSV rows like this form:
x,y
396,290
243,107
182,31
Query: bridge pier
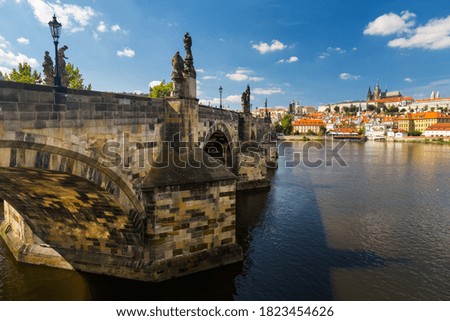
x,y
192,215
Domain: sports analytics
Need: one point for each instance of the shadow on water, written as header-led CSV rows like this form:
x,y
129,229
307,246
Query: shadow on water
x,y
287,256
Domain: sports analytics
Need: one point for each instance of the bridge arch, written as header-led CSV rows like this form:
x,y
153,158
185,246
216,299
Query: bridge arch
x,y
44,153
219,144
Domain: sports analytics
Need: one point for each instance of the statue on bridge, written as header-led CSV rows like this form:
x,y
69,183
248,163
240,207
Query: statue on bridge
x,y
245,99
62,66
189,70
183,72
178,66
188,45
49,71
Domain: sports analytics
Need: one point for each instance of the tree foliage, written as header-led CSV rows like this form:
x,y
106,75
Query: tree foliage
x,y
286,124
322,130
414,133
76,78
162,90
24,74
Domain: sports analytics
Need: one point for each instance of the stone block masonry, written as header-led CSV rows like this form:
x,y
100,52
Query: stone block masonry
x,y
108,183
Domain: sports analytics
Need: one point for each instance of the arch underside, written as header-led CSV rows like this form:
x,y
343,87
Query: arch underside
x,y
67,213
218,144
23,154
218,147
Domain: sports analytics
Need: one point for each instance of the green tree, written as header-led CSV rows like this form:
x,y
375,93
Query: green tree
x,y
322,130
162,90
336,109
414,133
278,127
24,74
311,133
286,124
354,109
75,78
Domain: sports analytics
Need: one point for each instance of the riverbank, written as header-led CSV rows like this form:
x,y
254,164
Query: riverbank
x,y
301,138
411,139
421,140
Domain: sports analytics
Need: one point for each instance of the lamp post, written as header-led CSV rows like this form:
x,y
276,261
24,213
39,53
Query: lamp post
x,y
220,92
55,30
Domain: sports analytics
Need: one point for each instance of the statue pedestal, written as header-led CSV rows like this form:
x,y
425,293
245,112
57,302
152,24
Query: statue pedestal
x,y
190,88
178,88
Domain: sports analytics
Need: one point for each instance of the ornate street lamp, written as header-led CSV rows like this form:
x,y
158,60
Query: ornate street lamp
x,y
220,92
55,30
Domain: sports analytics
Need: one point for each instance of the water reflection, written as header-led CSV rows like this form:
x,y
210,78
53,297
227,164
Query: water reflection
x,y
289,257
376,229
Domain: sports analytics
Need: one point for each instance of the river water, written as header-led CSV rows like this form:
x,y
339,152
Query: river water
x,y
372,223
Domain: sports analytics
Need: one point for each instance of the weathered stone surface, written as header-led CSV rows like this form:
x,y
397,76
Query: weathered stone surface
x,y
140,155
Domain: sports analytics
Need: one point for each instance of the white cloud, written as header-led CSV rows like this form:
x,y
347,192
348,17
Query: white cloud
x,y
289,60
337,49
330,51
267,91
216,101
4,43
209,77
5,70
126,52
244,71
264,47
242,74
347,76
115,28
23,41
154,83
11,59
407,79
73,18
200,70
102,27
390,23
237,77
434,35
233,99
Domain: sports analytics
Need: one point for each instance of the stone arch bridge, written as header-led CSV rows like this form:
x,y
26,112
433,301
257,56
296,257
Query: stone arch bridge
x,y
124,185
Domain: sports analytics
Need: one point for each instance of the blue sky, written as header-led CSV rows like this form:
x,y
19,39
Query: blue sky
x,y
312,51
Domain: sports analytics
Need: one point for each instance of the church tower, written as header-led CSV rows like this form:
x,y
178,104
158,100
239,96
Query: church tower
x,y
369,94
377,92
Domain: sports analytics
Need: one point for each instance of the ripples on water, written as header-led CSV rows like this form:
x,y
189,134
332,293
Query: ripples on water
x,y
377,229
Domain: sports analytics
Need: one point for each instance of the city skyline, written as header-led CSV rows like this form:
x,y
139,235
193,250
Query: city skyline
x,y
315,53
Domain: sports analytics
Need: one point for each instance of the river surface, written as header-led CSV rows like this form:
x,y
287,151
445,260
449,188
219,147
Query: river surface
x,y
374,228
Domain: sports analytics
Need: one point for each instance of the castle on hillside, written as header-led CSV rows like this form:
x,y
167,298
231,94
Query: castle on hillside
x,y
378,94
